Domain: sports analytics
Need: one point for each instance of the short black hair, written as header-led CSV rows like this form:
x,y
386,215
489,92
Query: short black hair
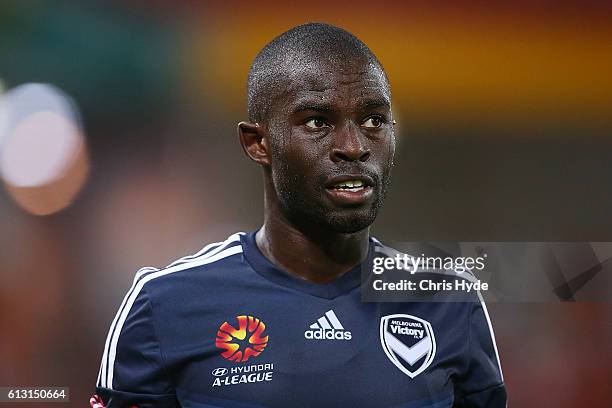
x,y
307,43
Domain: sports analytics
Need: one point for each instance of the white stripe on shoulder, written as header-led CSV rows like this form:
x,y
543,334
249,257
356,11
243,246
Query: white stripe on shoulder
x,y
486,313
390,252
142,271
376,241
381,248
132,298
208,250
101,375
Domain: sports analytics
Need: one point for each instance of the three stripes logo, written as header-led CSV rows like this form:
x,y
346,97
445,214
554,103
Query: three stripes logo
x,y
327,327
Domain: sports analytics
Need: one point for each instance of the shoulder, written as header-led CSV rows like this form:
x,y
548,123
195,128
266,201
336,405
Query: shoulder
x,y
422,272
161,295
213,258
424,258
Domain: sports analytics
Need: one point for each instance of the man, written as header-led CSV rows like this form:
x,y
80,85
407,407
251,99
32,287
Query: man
x,y
274,317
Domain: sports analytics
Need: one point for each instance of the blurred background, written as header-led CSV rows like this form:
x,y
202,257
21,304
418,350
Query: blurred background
x,y
118,149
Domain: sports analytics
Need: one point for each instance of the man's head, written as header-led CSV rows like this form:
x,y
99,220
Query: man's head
x,y
321,126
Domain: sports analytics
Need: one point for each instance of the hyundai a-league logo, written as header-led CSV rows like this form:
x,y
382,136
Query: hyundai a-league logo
x,y
408,341
243,342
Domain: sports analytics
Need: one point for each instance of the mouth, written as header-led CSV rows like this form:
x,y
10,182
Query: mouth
x,y
350,190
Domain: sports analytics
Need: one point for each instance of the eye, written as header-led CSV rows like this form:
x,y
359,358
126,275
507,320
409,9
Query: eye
x,y
316,123
373,122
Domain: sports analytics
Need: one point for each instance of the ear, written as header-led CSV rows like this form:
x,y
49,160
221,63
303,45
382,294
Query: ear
x,y
253,142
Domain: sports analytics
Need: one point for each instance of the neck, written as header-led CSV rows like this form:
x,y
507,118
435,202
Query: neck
x,y
312,253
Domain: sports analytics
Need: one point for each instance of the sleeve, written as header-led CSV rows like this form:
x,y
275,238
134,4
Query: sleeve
x,y
132,371
482,385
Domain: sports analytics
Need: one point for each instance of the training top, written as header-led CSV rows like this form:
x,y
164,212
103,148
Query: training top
x,y
225,327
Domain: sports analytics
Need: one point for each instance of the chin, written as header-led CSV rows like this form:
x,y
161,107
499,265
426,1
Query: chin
x,y
322,216
352,223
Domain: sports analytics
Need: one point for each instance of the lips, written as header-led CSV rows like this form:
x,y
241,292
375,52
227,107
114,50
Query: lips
x,y
349,190
350,181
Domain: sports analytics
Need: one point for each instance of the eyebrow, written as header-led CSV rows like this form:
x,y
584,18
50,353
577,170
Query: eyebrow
x,y
319,106
374,103
311,105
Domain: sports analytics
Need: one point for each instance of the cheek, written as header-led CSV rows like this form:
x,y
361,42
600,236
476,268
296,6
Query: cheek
x,y
301,152
288,167
385,151
391,149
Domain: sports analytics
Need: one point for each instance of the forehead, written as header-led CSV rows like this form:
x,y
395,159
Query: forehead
x,y
344,82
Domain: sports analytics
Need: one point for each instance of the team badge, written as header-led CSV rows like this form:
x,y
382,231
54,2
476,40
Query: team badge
x,y
408,341
243,342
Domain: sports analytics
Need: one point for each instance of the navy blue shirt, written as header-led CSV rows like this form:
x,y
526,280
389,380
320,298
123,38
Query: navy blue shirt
x,y
227,328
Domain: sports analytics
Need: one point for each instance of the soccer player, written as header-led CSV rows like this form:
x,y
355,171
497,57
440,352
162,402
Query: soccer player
x,y
274,317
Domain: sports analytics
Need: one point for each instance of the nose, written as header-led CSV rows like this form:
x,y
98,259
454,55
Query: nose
x,y
349,145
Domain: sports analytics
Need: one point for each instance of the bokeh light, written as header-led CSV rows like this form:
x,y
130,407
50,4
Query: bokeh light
x,y
4,113
43,155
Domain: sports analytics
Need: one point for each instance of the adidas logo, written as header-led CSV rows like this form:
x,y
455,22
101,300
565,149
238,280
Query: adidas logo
x,y
327,327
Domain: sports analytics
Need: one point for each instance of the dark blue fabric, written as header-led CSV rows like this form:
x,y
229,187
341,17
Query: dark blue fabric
x,y
167,348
